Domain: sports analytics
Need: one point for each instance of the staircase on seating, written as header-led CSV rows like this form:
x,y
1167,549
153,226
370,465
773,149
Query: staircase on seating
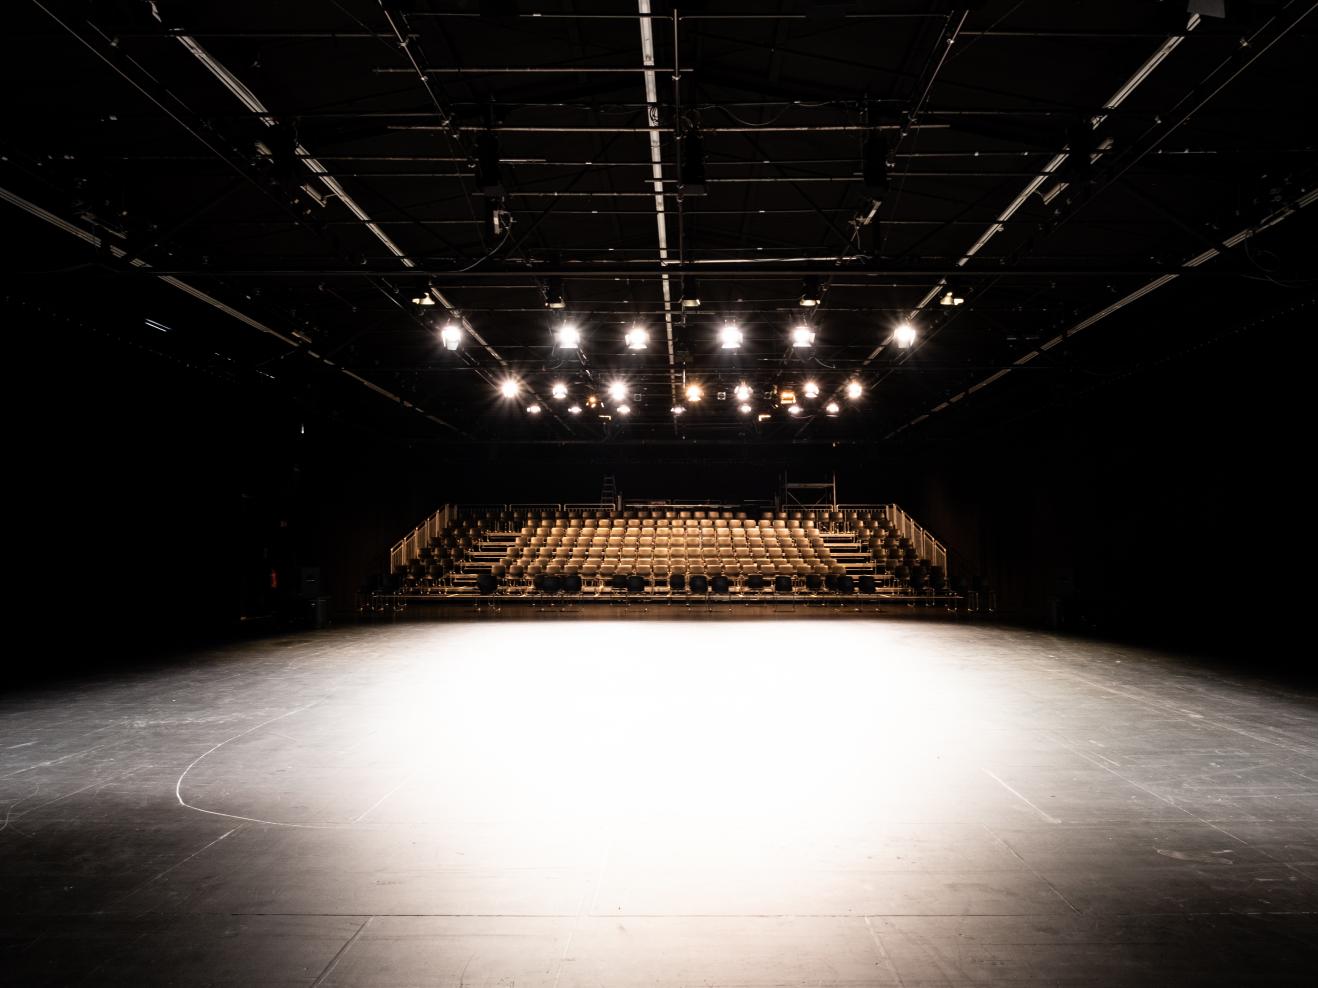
x,y
837,529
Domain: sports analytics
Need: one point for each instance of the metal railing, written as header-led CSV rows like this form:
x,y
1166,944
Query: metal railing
x,y
925,545
409,547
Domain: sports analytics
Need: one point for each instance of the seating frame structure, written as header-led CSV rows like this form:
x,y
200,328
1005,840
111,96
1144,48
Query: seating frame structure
x,y
670,551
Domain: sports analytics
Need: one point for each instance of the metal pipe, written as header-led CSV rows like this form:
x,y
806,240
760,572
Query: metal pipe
x,y
657,175
1191,264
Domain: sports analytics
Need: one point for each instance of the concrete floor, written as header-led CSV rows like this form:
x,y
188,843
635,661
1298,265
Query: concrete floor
x,y
619,803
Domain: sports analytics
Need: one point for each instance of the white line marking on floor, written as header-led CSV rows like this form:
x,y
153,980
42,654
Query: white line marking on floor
x,y
1046,816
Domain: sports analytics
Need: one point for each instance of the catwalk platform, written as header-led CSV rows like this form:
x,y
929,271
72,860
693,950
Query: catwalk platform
x,y
559,803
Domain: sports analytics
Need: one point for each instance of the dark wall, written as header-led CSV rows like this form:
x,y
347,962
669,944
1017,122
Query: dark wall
x,y
158,497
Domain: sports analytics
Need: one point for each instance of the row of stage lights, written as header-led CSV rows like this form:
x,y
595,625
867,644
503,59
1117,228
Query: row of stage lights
x,y
568,336
618,391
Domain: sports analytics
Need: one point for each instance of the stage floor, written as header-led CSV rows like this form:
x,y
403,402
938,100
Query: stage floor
x,y
628,803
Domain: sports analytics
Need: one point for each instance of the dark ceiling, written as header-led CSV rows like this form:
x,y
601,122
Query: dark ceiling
x,y
272,184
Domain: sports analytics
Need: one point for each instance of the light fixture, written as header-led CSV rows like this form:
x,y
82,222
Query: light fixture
x,y
509,388
489,179
694,393
574,409
568,337
745,408
787,397
730,336
874,164
591,401
691,161
678,410
553,291
423,299
617,391
742,391
832,408
811,389
532,409
803,335
638,338
559,390
794,409
854,390
904,335
624,409
451,336
951,298
690,293
811,293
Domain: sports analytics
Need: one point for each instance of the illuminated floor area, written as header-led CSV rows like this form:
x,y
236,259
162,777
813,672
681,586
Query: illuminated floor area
x,y
835,802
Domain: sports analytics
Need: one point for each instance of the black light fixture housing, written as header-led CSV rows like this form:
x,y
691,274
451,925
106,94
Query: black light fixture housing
x,y
874,163
489,175
812,291
691,167
553,292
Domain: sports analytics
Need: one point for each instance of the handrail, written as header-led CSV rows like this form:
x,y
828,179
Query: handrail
x,y
926,546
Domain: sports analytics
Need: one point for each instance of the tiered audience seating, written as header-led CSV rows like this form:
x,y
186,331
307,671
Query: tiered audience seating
x,y
670,551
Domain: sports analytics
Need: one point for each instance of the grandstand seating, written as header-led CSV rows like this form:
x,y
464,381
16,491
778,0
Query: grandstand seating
x,y
669,551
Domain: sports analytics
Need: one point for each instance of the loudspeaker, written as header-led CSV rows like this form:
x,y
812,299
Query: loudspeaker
x,y
874,165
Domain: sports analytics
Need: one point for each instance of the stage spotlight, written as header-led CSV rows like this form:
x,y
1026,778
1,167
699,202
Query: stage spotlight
x,y
690,293
559,390
787,397
489,178
568,337
574,409
874,164
678,410
509,388
811,389
691,163
423,299
694,393
617,391
451,336
951,298
803,335
730,336
532,409
854,390
553,291
742,391
624,409
745,408
832,408
637,338
904,336
811,293
794,409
